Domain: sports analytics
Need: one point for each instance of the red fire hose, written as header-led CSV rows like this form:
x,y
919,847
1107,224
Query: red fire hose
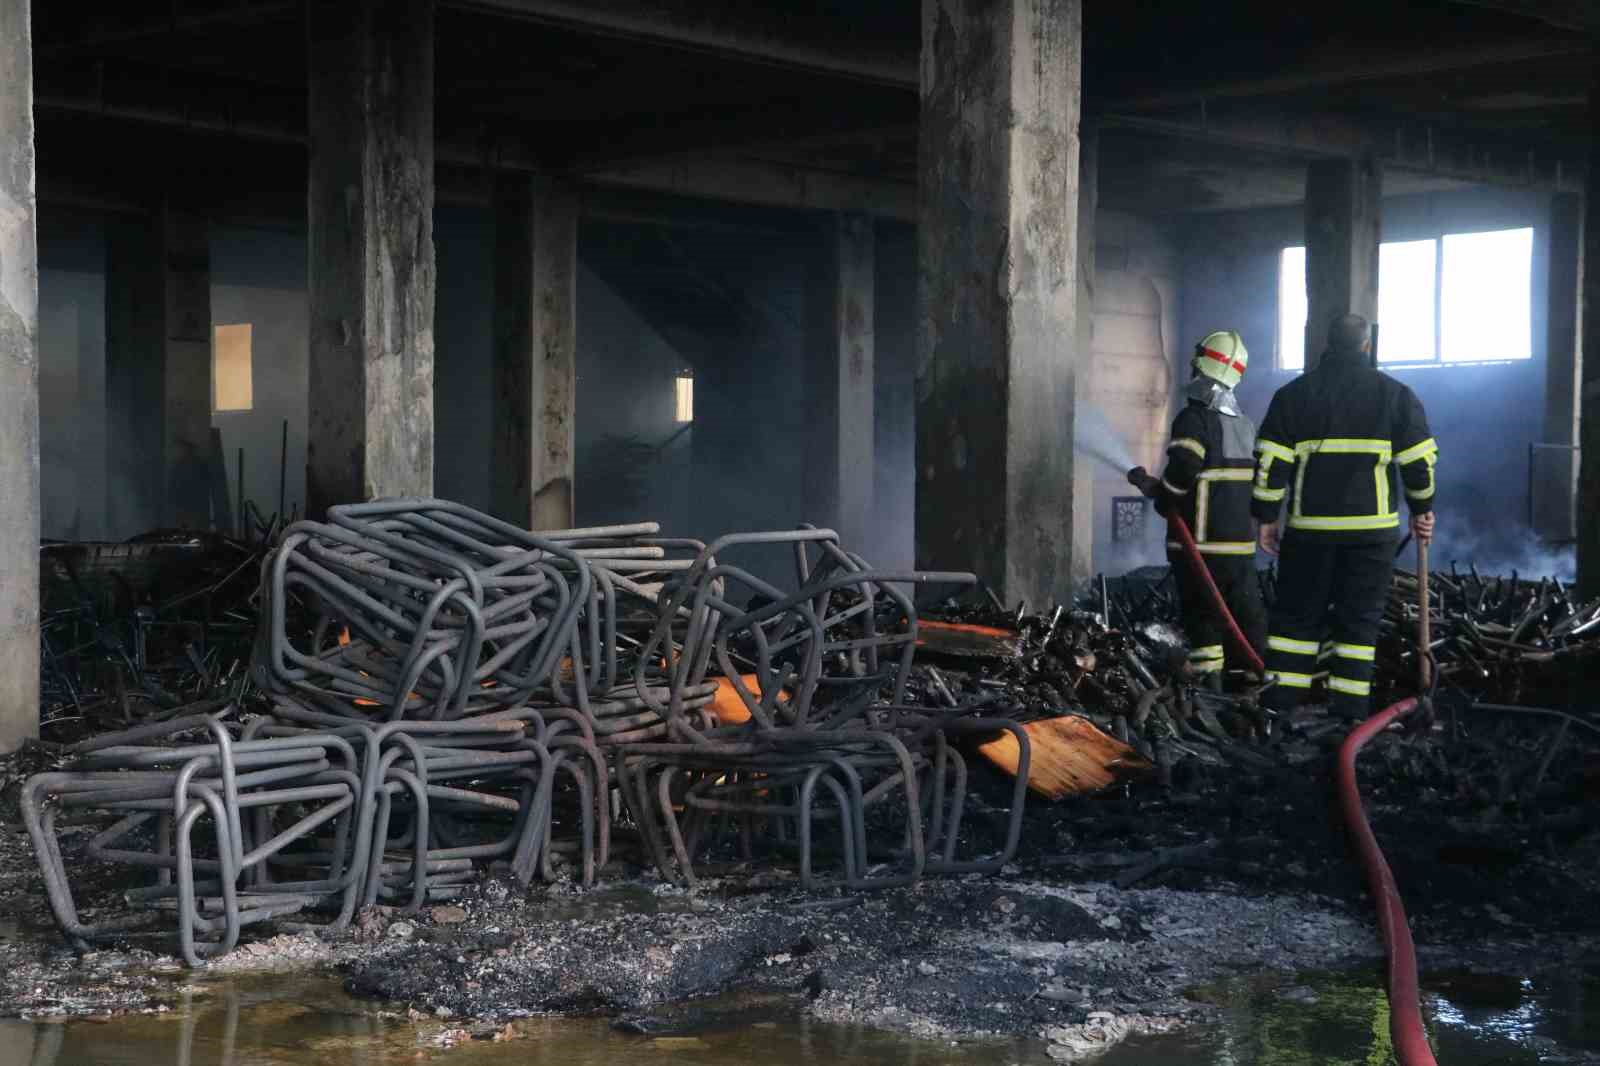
x,y
1405,1015
1191,552
1140,479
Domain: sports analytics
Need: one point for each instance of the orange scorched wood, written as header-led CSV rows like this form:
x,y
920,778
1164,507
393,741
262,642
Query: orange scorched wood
x,y
1068,757
729,708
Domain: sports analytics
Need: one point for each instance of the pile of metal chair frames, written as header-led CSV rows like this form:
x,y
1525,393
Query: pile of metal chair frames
x,y
449,690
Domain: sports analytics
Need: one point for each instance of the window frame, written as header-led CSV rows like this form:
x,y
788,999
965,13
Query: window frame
x,y
1437,235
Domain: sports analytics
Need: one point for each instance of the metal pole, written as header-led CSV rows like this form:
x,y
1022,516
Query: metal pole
x,y
1424,618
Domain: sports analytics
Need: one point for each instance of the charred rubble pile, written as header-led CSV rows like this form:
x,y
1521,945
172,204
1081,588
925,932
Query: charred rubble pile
x,y
383,707
1512,739
434,693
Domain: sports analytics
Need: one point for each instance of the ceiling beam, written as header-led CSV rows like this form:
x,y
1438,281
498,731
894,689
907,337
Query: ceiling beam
x,y
168,27
1426,150
711,28
1415,62
1568,14
753,181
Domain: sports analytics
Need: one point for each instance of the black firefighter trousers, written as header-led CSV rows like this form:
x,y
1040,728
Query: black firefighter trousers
x,y
1325,619
1236,579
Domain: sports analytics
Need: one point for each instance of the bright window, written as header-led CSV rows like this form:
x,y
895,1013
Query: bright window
x,y
1406,272
1487,296
683,392
231,381
1460,298
1292,309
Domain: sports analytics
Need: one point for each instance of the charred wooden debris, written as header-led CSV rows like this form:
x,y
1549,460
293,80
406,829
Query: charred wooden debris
x,y
431,692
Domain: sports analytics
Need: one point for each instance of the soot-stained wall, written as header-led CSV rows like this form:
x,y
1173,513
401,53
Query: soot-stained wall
x,y
258,276
723,305
72,376
1126,395
1484,416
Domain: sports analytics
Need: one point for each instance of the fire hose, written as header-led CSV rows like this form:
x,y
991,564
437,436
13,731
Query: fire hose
x,y
1405,1013
1140,479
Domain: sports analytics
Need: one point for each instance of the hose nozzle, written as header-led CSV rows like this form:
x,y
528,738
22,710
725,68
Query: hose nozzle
x,y
1140,479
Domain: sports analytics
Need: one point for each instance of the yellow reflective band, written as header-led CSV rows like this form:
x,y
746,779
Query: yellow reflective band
x,y
1388,521
1274,449
1268,495
1348,687
1345,446
1175,490
1189,443
1417,451
1227,547
1288,680
1209,651
1428,459
1228,473
1362,652
1293,647
1207,666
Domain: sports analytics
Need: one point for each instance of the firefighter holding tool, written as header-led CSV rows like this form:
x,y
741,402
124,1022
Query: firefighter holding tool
x,y
1339,446
1210,466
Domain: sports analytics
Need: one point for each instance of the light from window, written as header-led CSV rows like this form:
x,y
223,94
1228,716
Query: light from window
x,y
1487,296
1292,309
1406,272
684,393
231,381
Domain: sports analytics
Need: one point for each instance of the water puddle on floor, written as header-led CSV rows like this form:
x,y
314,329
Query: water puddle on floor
x,y
304,1020
1343,1020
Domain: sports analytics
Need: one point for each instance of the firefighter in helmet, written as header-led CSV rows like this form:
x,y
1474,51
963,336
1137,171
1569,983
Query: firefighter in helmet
x,y
1210,465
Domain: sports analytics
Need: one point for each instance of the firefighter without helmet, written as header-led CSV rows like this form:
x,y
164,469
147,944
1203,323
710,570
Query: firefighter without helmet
x,y
1221,356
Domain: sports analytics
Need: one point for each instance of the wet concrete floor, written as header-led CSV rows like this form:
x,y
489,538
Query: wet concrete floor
x,y
299,1020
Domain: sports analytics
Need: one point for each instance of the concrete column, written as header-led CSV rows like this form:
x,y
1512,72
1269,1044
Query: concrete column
x,y
136,482
998,292
1589,368
371,267
186,368
1557,486
840,451
535,350
1343,224
1088,524
19,386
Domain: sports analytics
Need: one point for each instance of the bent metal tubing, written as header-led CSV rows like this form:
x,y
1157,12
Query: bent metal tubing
x,y
1405,1013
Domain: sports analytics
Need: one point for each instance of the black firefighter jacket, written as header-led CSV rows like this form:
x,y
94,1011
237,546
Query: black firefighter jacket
x,y
1340,443
1210,463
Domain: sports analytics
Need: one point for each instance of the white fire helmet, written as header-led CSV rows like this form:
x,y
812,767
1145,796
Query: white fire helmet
x,y
1221,356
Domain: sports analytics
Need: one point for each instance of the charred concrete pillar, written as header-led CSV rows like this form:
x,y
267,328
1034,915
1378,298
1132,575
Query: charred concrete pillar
x,y
535,350
998,292
1555,491
1343,224
186,368
1086,519
1589,366
19,386
840,453
371,266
